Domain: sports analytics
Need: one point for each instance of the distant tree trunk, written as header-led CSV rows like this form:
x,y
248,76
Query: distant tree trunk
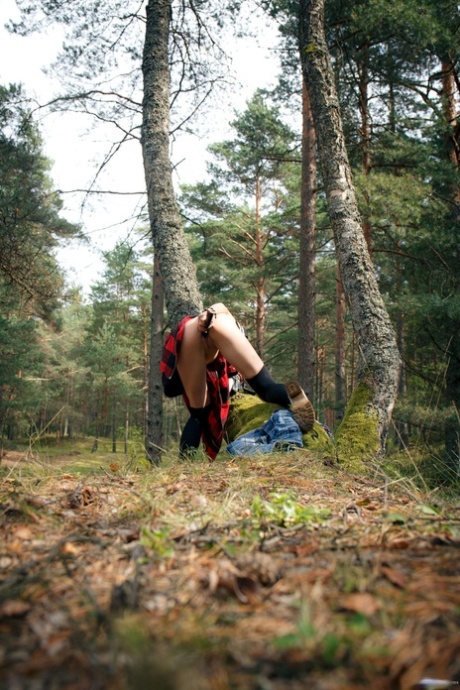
x,y
154,416
260,280
340,310
452,430
126,428
182,293
449,90
114,424
307,289
370,408
68,425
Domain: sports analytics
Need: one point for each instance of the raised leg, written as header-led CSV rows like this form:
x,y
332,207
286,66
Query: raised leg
x,y
224,335
191,365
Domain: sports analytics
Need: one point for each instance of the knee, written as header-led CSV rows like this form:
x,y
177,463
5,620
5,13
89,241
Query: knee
x,y
220,308
223,323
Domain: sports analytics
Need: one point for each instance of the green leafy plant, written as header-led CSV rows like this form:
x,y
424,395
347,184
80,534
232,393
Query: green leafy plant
x,y
284,509
157,540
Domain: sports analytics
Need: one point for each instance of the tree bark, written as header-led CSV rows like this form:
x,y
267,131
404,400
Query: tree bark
x,y
452,433
260,281
154,416
307,286
449,91
174,262
380,360
340,311
182,294
363,85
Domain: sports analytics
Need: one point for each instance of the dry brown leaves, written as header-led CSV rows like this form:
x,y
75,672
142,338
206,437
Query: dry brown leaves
x,y
166,578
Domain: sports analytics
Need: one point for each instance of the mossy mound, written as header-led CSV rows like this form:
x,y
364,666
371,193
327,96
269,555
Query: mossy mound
x,y
357,437
248,412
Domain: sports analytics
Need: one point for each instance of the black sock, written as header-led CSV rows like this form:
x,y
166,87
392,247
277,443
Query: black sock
x,y
191,433
267,389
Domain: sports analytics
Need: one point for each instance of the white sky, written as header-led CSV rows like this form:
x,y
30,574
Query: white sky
x,y
73,149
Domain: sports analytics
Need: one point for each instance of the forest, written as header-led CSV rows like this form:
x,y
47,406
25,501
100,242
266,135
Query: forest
x,y
328,222
73,366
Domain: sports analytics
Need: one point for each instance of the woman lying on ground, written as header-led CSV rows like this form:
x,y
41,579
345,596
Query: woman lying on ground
x,y
200,357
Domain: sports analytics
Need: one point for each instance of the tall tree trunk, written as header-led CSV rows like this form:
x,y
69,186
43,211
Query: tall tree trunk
x,y
154,416
307,288
449,92
340,310
372,405
260,282
114,424
363,85
126,428
182,293
452,430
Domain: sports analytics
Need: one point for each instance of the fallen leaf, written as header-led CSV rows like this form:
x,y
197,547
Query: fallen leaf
x,y
174,488
225,576
360,602
396,577
70,549
14,607
305,549
15,546
260,567
87,496
198,501
5,562
23,532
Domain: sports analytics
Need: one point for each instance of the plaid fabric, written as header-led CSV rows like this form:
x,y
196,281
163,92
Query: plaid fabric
x,y
217,377
172,348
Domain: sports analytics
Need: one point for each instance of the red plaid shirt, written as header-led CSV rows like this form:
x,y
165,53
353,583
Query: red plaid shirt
x,y
217,375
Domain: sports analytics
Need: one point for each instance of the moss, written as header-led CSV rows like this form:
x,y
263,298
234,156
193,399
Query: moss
x,y
248,412
357,437
319,441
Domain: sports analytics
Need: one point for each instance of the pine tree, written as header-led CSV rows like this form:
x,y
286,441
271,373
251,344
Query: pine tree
x,y
245,221
31,284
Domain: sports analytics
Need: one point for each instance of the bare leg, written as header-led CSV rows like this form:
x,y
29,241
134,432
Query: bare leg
x,y
191,364
197,351
234,346
224,335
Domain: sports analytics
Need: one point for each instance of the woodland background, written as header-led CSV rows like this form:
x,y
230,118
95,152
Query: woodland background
x,y
275,572
72,366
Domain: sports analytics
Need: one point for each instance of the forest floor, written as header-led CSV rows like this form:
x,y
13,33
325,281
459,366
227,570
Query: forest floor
x,y
268,573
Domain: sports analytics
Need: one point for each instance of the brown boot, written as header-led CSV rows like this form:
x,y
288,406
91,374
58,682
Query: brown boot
x,y
301,408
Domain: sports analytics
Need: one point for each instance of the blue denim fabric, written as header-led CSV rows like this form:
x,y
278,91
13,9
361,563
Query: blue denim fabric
x,y
280,432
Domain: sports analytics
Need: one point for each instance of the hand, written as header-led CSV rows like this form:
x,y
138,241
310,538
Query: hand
x,y
205,320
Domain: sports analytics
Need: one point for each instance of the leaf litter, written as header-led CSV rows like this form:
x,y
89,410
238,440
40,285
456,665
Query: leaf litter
x,y
276,573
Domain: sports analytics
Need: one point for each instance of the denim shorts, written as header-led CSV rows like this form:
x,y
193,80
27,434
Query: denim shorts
x,y
280,432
